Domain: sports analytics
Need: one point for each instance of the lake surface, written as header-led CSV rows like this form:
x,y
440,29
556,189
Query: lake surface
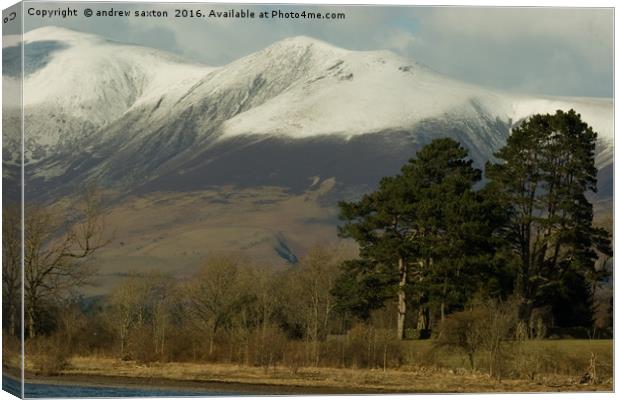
x,y
38,390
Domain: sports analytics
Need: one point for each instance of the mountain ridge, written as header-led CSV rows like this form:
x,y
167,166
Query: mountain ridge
x,y
138,117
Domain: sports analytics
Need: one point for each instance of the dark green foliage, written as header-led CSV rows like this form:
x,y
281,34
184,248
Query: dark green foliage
x,y
571,301
544,173
430,220
361,288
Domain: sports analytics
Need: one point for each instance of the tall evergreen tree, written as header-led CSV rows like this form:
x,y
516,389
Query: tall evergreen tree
x,y
409,226
543,175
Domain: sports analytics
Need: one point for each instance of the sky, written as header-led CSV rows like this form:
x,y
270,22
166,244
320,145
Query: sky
x,y
549,51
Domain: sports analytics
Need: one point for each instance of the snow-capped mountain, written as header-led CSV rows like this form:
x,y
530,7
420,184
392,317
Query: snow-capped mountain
x,y
76,83
140,119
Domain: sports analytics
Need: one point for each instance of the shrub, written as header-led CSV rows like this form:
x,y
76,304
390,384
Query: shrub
x,y
48,354
140,346
488,326
463,331
269,343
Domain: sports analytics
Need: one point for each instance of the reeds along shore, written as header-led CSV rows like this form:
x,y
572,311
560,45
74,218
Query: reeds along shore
x,y
419,377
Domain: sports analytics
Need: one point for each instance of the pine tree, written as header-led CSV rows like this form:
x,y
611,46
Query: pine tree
x,y
409,227
542,178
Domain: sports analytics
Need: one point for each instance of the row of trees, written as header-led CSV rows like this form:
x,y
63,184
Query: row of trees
x,y
429,236
241,305
230,310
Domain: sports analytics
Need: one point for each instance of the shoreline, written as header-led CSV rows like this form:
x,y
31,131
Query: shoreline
x,y
192,385
228,379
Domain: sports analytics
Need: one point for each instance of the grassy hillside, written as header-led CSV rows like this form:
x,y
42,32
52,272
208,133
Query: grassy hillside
x,y
176,232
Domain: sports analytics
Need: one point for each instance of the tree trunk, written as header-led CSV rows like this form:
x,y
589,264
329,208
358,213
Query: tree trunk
x,y
402,299
472,362
385,347
12,324
525,311
443,310
423,319
315,344
31,324
443,299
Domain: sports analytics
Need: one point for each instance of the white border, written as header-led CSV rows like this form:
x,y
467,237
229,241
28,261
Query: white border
x,y
483,3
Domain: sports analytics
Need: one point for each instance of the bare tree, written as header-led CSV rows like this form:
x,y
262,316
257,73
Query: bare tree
x,y
163,298
500,321
128,308
257,316
11,268
215,295
465,331
58,250
139,313
312,300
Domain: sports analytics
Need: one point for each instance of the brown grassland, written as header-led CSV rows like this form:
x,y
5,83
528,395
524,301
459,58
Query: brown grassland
x,y
558,365
174,233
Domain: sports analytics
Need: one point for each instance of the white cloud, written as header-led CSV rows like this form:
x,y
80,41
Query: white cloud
x,y
546,50
401,41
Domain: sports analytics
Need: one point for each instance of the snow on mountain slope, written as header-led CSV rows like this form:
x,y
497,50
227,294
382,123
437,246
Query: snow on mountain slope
x,y
80,82
298,87
99,79
354,93
253,80
124,113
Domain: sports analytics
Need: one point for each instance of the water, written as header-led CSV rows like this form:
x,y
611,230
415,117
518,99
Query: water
x,y
11,385
34,390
